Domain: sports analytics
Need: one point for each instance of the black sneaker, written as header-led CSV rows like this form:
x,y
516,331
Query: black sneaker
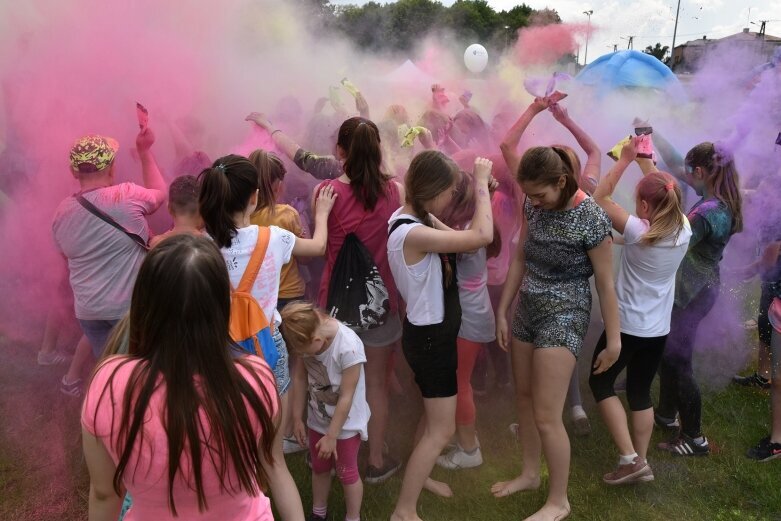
x,y
684,445
765,450
666,423
375,476
752,380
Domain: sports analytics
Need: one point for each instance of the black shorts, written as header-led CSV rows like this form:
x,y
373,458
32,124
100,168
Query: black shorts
x,y
432,354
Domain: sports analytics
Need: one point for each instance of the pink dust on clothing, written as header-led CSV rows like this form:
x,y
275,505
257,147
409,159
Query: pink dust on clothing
x,y
348,215
147,475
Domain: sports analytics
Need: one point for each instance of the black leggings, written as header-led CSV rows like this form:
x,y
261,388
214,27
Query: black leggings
x,y
640,356
678,390
763,322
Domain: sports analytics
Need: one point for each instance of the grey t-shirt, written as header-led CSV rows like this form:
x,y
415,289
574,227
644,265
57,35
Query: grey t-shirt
x,y
103,262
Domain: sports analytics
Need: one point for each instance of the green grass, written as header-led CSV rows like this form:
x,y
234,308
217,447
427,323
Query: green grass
x,y
43,477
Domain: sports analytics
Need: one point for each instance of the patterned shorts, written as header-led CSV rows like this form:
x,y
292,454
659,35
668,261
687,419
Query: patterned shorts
x,y
553,320
282,369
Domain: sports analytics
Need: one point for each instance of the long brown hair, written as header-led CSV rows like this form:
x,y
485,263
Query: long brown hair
x,y
271,170
430,173
663,195
179,332
721,176
226,188
462,209
546,165
360,139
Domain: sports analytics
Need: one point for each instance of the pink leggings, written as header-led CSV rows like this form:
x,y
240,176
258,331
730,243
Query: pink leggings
x,y
346,464
465,403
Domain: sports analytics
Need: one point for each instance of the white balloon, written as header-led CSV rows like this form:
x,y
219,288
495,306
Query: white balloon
x,y
476,58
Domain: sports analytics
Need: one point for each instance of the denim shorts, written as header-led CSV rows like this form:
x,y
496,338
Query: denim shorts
x,y
97,332
282,369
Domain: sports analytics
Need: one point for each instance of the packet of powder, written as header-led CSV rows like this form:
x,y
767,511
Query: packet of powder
x,y
143,116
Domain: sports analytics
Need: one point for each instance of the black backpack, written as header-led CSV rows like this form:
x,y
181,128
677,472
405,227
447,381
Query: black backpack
x,y
357,296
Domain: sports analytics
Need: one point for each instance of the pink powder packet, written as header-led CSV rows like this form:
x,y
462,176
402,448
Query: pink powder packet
x,y
143,116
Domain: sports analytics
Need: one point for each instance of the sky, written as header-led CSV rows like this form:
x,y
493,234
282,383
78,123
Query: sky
x,y
651,21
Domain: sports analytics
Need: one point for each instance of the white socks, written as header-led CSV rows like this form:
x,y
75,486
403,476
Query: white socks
x,y
627,460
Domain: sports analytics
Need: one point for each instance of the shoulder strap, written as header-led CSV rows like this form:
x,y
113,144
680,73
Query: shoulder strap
x,y
255,260
399,222
103,216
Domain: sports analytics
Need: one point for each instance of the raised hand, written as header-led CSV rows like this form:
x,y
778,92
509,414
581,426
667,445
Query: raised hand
x,y
259,119
483,169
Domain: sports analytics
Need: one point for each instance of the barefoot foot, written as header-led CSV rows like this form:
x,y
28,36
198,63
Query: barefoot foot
x,y
550,512
438,488
506,488
398,517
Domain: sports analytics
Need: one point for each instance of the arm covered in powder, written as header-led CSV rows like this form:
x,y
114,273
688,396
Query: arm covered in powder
x,y
509,145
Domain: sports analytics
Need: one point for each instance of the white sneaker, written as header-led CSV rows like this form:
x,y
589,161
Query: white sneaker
x,y
290,445
458,458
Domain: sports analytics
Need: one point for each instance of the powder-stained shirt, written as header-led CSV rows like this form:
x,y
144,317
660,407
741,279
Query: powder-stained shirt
x,y
103,261
146,477
711,224
320,167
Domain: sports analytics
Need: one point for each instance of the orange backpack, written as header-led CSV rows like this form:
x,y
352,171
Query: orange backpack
x,y
249,326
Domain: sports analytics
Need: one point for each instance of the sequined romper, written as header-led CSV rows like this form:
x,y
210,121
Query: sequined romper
x,y
554,303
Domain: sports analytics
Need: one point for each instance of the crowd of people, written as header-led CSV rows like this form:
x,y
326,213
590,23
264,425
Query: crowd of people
x,y
439,244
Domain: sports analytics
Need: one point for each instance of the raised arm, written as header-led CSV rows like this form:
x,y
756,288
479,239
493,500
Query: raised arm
x,y
591,171
362,106
423,239
509,145
153,178
672,158
283,142
604,192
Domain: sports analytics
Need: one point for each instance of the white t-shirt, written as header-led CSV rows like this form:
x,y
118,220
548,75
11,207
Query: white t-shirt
x,y
477,314
278,253
420,285
103,262
324,372
645,283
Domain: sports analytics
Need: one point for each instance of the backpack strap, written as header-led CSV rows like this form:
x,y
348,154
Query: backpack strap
x,y
255,260
399,222
106,218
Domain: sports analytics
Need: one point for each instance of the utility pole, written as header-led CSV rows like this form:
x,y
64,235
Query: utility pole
x,y
630,42
588,33
675,33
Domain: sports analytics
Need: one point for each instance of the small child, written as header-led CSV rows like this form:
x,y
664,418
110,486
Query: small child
x,y
333,358
183,207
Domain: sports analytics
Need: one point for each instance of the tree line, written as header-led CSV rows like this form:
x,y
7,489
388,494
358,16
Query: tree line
x,y
398,27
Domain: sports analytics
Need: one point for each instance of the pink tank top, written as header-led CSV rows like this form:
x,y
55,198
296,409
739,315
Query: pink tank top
x,y
371,227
